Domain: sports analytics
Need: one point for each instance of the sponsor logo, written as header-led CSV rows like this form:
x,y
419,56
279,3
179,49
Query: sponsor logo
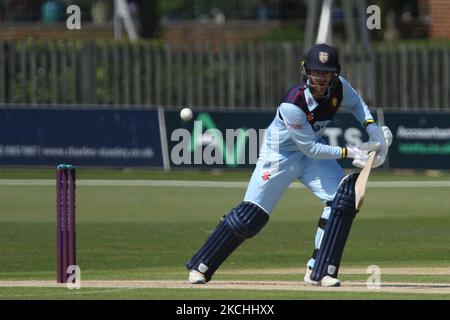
x,y
295,126
331,269
202,268
334,102
208,145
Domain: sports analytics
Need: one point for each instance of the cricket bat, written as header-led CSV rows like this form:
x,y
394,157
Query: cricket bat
x,y
361,182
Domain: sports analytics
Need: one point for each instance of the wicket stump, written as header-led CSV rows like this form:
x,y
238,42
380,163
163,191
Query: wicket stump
x,y
65,220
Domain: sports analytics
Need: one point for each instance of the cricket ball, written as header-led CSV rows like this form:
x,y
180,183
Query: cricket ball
x,y
186,114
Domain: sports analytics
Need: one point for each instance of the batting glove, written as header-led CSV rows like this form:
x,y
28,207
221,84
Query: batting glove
x,y
376,135
384,147
387,135
359,155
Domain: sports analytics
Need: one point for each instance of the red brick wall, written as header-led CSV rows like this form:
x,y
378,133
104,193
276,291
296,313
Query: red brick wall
x,y
439,11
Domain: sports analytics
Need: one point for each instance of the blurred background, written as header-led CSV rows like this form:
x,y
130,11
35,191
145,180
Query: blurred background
x,y
230,61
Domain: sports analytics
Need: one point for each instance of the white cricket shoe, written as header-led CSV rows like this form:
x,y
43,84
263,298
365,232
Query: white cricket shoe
x,y
327,281
196,277
308,280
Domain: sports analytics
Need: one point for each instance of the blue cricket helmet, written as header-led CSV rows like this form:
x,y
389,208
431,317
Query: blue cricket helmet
x,y
322,57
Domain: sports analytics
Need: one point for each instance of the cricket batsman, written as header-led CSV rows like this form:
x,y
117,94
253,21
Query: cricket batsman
x,y
294,148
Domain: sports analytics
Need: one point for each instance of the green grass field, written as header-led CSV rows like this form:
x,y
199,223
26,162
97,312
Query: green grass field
x,y
148,233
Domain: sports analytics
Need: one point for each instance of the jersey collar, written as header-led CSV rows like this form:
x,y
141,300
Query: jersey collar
x,y
310,101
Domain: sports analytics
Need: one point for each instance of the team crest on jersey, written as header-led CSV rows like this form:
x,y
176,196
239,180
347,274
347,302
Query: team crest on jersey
x,y
323,56
266,176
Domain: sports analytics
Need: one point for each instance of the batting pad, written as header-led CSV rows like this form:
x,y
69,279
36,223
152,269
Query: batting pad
x,y
243,222
336,232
